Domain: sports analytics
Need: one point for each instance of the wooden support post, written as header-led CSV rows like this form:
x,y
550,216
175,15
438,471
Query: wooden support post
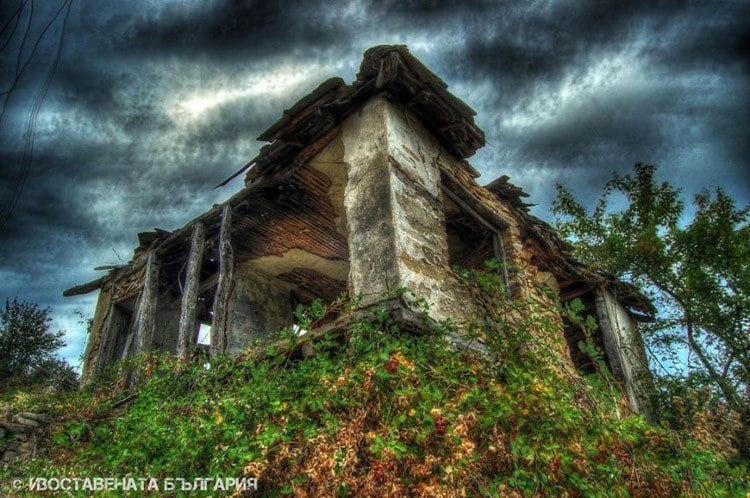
x,y
188,309
146,314
501,257
106,342
98,328
220,322
624,348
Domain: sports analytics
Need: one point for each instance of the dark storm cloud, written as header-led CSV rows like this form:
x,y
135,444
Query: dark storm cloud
x,y
231,28
154,103
688,89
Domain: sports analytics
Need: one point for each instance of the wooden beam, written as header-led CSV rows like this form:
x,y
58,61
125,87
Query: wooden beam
x,y
146,314
467,209
208,283
104,354
501,257
84,288
189,305
467,198
128,347
574,292
220,322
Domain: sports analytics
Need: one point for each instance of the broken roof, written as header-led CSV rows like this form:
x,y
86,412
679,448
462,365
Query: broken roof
x,y
388,70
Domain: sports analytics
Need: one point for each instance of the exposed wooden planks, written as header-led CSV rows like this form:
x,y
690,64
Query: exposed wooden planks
x,y
220,322
189,304
388,70
84,288
462,196
311,284
146,315
106,341
501,258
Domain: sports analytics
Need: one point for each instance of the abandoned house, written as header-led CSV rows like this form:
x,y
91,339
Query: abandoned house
x,y
362,188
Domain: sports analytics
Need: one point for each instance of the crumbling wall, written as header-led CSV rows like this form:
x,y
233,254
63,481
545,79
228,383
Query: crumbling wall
x,y
368,204
419,217
167,322
259,307
395,213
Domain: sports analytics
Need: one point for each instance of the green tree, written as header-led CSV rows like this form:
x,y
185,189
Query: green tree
x,y
697,271
26,342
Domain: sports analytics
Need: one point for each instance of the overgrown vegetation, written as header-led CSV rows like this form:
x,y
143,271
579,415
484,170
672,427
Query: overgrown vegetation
x,y
697,272
384,412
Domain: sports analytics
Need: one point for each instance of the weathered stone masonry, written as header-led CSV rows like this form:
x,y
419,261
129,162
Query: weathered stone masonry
x,y
365,189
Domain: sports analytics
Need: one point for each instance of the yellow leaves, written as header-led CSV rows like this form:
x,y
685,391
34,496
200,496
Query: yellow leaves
x,y
402,401
367,384
403,361
254,469
218,418
539,387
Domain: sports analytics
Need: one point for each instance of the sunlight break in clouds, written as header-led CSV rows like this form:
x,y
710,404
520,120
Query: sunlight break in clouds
x,y
277,82
619,70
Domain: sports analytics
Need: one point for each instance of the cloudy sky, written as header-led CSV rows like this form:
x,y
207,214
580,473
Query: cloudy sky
x,y
153,103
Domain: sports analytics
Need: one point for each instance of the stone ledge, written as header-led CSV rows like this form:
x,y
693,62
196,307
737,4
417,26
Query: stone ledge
x,y
20,433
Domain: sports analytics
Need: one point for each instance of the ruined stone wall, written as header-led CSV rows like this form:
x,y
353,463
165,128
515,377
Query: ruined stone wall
x,y
367,200
419,217
259,308
22,435
396,215
527,282
394,210
167,323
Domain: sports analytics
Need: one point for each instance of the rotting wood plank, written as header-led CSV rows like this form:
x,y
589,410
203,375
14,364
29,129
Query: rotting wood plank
x,y
146,315
84,288
105,338
467,209
189,304
128,346
467,198
220,322
501,257
573,292
208,283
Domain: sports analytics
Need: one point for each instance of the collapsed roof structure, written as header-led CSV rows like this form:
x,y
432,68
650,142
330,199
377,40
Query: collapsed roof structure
x,y
362,188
